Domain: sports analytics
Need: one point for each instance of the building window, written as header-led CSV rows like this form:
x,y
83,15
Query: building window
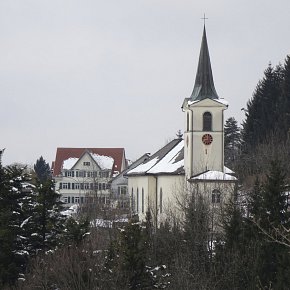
x,y
86,163
187,122
64,185
72,199
132,200
87,185
64,199
122,190
207,121
69,174
160,200
68,199
80,174
77,199
142,200
137,200
216,196
77,186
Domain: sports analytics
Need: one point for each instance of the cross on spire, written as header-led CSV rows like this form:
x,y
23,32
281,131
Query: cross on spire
x,y
204,18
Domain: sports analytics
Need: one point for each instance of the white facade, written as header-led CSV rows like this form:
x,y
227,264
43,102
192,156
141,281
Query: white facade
x,y
199,156
159,194
83,180
182,168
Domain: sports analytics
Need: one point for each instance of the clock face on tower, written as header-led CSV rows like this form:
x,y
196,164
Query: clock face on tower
x,y
207,139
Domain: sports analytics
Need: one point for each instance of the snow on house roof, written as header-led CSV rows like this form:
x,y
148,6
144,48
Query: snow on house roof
x,y
168,160
105,162
213,175
66,156
69,163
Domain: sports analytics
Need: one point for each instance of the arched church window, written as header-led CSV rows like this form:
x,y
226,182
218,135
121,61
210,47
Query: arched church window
x,y
142,200
160,200
137,202
187,122
216,196
132,200
207,121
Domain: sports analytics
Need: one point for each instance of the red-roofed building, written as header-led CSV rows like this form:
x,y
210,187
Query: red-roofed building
x,y
83,175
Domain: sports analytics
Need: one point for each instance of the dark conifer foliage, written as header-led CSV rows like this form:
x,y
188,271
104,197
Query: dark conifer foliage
x,y
16,201
47,222
268,112
232,142
42,169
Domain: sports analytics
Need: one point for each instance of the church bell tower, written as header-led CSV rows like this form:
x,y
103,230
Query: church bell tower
x,y
204,121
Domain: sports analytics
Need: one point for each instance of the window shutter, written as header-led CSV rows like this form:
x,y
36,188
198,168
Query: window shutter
x,y
60,185
72,186
68,185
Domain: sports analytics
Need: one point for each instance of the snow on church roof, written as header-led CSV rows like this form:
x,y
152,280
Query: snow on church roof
x,y
213,175
168,160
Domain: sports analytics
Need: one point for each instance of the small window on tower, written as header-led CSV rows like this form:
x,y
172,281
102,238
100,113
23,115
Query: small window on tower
x,y
207,121
216,196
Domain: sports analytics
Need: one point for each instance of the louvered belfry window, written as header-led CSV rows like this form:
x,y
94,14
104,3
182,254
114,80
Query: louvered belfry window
x,y
207,121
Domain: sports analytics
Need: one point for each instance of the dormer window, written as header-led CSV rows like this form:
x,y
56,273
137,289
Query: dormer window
x,y
207,121
86,163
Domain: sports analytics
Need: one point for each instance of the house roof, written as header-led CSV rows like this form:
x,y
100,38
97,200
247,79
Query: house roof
x,y
170,160
204,84
62,154
167,160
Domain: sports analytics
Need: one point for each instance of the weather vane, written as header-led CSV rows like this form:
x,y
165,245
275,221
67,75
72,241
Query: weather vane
x,y
204,18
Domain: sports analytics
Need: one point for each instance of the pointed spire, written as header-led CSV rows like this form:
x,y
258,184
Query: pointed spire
x,y
204,85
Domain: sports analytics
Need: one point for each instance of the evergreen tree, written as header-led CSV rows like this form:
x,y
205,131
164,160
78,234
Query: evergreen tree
x,y
268,212
42,169
262,114
47,223
284,103
15,208
196,238
134,255
232,141
75,231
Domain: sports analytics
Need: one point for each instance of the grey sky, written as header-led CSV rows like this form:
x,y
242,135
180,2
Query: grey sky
x,y
114,73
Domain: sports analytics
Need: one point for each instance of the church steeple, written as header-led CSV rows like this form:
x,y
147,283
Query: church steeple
x,y
204,85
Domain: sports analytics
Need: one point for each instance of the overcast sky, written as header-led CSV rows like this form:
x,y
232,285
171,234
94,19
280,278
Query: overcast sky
x,y
114,73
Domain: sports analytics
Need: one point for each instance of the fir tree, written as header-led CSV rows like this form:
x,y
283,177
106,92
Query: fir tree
x,y
262,114
48,223
15,208
232,141
42,169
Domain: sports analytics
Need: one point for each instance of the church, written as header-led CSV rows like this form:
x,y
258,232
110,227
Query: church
x,y
194,163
